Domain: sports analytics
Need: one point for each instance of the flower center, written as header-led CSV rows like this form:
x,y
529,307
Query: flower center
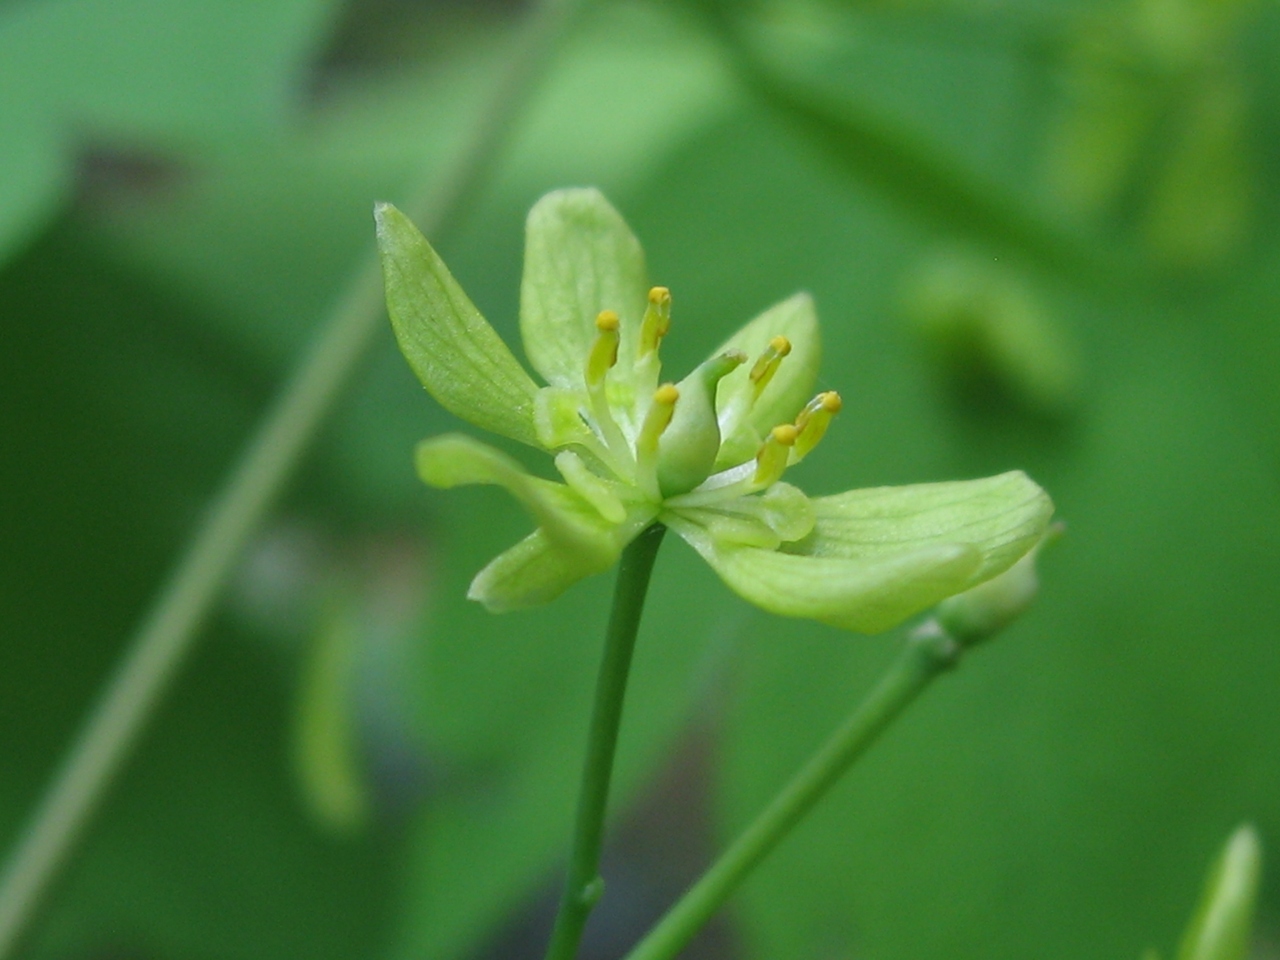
x,y
663,440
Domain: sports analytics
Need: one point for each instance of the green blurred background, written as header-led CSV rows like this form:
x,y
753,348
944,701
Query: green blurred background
x,y
1040,236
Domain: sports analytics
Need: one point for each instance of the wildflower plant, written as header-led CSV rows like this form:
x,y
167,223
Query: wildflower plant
x,y
704,456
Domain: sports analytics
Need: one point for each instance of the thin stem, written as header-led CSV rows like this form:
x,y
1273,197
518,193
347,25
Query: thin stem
x,y
583,885
167,633
881,150
927,654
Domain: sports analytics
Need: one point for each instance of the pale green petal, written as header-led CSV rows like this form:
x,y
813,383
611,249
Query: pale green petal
x,y
580,258
1002,517
784,508
563,514
867,596
539,569
877,556
534,571
459,358
786,393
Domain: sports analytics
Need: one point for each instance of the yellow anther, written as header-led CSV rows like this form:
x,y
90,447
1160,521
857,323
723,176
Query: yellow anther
x,y
658,417
828,402
774,453
657,320
604,352
813,421
656,421
767,365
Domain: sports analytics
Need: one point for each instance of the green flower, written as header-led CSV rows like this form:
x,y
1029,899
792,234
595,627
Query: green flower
x,y
705,456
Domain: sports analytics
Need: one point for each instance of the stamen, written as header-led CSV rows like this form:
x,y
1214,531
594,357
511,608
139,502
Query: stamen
x,y
813,421
653,327
771,461
601,359
762,371
768,364
604,351
656,421
656,322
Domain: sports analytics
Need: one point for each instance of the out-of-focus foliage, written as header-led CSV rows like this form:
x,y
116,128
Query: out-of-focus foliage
x,y
141,73
181,198
1221,928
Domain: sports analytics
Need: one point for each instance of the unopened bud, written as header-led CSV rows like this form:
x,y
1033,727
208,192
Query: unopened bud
x,y
985,610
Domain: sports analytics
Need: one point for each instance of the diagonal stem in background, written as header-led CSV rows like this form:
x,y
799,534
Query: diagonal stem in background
x,y
928,653
168,632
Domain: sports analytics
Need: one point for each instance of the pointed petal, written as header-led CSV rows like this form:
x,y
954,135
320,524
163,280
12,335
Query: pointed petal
x,y
534,571
567,519
867,596
1002,517
877,556
795,319
459,358
580,257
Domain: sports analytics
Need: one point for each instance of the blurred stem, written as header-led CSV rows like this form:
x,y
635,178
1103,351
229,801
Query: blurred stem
x,y
583,885
875,147
927,654
169,630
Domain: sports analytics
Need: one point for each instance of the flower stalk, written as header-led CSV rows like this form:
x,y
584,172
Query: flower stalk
x,y
583,885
